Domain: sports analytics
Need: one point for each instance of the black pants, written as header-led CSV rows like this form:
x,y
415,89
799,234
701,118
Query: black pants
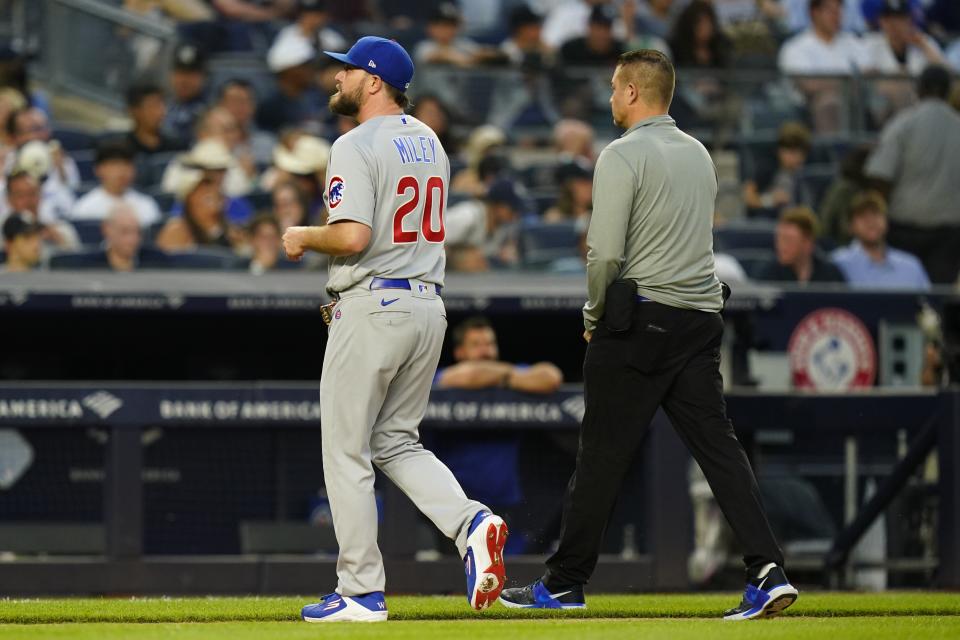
x,y
935,247
670,357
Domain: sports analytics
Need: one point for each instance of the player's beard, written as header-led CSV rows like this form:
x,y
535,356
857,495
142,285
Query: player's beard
x,y
347,104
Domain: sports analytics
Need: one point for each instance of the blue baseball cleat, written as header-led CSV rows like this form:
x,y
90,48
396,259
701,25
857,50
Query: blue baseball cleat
x,y
766,596
536,596
483,563
336,608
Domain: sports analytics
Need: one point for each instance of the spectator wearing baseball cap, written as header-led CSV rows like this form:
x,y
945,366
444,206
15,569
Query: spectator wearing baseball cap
x,y
575,202
868,262
188,91
297,99
900,47
444,44
598,46
21,240
916,164
116,171
483,234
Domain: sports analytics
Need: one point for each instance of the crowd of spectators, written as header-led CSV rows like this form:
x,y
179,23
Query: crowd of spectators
x,y
219,166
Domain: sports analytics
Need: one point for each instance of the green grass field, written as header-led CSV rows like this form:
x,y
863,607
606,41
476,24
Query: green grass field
x,y
824,616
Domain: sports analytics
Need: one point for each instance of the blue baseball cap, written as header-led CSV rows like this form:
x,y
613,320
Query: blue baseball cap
x,y
380,57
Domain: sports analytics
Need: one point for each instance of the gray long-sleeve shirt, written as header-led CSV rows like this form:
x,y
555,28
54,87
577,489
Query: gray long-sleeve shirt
x,y
653,202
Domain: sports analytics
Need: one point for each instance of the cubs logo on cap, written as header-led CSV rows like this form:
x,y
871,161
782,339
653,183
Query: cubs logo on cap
x,y
335,192
380,57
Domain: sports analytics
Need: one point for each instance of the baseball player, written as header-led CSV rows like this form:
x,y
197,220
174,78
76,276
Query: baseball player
x,y
387,183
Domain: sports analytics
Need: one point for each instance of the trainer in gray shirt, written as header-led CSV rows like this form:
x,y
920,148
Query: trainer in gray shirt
x,y
653,202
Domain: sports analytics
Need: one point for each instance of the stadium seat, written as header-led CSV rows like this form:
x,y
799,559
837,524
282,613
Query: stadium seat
x,y
541,244
164,200
74,139
85,164
204,259
90,232
753,234
74,261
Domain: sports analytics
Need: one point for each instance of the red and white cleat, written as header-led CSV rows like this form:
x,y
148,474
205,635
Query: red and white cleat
x,y
483,564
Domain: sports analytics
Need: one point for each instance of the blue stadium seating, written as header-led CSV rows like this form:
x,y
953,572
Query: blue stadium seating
x,y
753,234
89,231
85,164
541,244
204,259
74,139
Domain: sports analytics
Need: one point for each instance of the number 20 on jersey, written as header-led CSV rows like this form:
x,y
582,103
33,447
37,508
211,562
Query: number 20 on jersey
x,y
431,230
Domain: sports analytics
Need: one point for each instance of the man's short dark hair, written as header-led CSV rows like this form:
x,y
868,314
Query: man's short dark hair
x,y
240,83
651,72
816,4
114,149
140,92
399,97
263,219
934,82
460,331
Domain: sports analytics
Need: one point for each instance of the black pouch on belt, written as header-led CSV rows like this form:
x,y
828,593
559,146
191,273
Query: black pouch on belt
x,y
619,305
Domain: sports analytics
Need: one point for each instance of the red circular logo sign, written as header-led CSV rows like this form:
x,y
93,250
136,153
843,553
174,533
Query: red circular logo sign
x,y
832,350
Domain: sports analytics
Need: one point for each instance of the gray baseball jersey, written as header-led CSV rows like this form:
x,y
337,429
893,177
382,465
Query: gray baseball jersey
x,y
391,174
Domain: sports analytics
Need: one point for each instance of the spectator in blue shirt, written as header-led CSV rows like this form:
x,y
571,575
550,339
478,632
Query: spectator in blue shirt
x,y
487,466
868,262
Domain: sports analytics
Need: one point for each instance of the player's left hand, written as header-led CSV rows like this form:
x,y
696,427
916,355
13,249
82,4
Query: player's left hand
x,y
587,335
293,242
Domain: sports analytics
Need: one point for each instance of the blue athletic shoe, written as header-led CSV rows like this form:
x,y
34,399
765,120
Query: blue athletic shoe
x,y
336,608
536,596
483,564
766,596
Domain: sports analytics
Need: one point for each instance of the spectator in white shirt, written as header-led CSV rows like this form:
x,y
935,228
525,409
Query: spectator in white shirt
x,y
798,15
569,20
115,171
823,49
900,48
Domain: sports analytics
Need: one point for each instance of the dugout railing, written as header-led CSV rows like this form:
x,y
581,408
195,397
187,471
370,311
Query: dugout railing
x,y
128,413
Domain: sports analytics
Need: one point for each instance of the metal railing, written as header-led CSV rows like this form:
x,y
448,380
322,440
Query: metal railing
x,y
95,50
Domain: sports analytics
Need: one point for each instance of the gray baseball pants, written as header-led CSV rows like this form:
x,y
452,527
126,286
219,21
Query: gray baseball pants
x,y
380,360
